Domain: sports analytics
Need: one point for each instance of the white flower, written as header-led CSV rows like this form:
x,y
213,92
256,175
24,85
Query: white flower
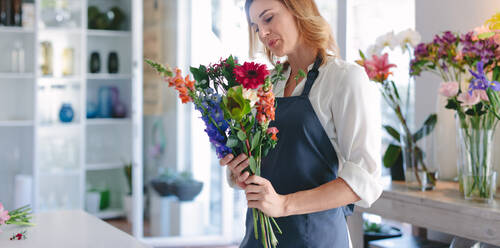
x,y
387,40
251,95
410,37
373,50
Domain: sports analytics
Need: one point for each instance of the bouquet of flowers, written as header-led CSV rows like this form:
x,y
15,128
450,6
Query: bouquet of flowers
x,y
21,216
378,69
236,103
469,65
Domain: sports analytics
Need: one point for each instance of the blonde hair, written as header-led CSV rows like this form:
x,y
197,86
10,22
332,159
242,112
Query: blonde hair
x,y
312,28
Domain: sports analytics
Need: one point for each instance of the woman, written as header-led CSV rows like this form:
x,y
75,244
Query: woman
x,y
328,153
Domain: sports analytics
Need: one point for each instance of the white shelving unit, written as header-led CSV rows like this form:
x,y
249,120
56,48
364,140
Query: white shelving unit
x,y
67,159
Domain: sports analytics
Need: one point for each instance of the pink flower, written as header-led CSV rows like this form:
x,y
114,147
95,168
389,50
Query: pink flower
x,y
480,30
469,99
378,68
4,215
273,131
482,95
448,89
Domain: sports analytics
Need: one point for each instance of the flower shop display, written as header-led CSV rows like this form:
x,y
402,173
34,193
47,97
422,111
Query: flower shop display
x,y
417,173
469,65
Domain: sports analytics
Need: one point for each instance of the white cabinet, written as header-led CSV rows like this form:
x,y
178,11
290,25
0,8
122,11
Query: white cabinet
x,y
71,129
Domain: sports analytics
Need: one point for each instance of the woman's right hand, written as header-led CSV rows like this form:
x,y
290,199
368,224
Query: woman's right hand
x,y
236,166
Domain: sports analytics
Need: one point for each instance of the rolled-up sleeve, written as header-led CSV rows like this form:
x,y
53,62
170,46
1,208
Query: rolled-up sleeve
x,y
357,121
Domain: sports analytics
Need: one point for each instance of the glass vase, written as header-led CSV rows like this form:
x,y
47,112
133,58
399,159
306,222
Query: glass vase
x,y
418,163
477,178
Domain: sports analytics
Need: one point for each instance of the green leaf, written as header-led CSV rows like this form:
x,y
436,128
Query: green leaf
x,y
426,128
494,100
395,89
496,74
255,140
485,35
252,164
200,73
391,155
231,142
391,131
265,151
452,104
362,55
242,136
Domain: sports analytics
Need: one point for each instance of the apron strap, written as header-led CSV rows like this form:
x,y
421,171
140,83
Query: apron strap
x,y
312,75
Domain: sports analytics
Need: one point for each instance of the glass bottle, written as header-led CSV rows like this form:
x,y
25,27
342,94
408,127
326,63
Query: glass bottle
x,y
67,62
46,64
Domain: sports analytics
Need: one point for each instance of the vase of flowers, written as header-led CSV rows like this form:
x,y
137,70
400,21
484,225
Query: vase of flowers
x,y
469,65
407,143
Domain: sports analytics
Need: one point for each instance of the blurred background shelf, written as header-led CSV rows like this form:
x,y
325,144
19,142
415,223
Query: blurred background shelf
x,y
16,123
108,33
109,121
104,166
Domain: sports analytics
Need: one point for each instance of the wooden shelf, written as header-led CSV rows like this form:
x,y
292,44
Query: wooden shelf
x,y
443,209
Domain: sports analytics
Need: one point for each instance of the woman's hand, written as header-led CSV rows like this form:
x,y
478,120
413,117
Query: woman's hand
x,y
236,166
261,194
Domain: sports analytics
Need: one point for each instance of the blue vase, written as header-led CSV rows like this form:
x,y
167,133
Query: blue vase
x,y
105,102
92,110
66,113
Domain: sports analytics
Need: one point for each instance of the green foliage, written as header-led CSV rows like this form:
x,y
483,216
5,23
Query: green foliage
x,y
391,155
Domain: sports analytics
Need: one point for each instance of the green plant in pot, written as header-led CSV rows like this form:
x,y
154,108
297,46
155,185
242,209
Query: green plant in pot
x,y
186,188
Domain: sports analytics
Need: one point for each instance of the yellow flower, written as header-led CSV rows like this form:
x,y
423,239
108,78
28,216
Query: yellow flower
x,y
494,22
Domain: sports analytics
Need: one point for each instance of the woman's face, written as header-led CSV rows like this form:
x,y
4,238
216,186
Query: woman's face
x,y
275,26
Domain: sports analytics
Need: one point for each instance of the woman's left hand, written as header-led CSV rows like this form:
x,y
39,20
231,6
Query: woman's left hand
x,y
260,194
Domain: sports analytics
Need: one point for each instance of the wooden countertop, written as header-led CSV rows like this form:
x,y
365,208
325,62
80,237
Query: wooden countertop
x,y
442,209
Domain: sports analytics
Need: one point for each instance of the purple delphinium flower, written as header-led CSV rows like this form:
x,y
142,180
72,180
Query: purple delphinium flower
x,y
216,132
480,82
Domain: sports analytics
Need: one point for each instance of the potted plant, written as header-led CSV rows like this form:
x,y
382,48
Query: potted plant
x,y
185,187
374,231
163,184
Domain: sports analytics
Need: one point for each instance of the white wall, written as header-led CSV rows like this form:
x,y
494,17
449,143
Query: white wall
x,y
433,17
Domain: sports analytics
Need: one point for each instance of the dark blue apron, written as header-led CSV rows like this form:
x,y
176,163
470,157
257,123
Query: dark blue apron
x,y
304,158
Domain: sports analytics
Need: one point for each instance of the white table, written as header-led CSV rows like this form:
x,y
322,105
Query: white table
x,y
67,229
442,209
